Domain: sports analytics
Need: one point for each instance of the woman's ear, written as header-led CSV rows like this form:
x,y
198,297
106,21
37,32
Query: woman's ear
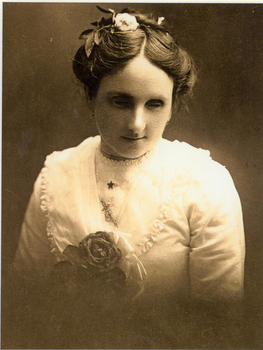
x,y
91,106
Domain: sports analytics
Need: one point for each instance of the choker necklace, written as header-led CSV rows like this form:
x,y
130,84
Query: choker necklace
x,y
120,159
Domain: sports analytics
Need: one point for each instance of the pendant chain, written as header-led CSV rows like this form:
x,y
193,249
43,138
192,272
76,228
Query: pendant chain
x,y
108,213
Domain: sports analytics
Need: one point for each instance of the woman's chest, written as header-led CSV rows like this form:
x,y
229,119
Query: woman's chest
x,y
140,204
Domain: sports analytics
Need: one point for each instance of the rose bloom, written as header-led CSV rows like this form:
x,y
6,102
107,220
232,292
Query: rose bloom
x,y
124,22
100,251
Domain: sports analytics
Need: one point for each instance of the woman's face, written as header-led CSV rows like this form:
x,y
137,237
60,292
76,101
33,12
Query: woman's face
x,y
132,108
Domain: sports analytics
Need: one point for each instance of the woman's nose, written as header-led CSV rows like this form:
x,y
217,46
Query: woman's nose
x,y
137,121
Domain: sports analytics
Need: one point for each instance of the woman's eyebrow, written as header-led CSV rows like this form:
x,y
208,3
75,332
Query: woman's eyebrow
x,y
129,96
119,94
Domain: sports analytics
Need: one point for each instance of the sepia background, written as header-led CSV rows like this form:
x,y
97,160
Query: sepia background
x,y
44,107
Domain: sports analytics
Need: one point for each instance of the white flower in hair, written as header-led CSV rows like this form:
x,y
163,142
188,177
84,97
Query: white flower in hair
x,y
124,22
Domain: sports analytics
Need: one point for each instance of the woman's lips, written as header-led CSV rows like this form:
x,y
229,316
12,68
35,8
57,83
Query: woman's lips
x,y
133,138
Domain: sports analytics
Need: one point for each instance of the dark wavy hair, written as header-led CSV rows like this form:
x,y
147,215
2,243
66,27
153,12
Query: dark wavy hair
x,y
116,49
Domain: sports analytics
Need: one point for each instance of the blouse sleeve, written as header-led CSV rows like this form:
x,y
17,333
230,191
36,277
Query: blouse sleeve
x,y
33,257
217,248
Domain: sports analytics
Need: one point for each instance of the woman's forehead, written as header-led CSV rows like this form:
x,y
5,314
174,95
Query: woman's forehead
x,y
139,76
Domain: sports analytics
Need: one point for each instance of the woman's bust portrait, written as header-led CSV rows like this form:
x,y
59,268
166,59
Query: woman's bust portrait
x,y
132,232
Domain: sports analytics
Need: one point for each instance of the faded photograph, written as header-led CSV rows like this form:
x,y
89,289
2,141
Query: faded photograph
x,y
132,159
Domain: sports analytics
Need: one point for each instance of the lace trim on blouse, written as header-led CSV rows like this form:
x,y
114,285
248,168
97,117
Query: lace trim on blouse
x,y
44,205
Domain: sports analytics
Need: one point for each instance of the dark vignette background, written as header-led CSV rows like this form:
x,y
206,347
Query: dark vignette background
x,y
44,108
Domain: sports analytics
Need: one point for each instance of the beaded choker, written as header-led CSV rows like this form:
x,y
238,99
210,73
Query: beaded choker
x,y
128,160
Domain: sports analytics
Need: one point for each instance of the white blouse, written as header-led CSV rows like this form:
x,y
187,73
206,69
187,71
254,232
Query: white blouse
x,y
175,207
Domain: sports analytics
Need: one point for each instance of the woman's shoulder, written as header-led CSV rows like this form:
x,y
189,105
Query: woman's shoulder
x,y
194,162
207,184
71,158
184,151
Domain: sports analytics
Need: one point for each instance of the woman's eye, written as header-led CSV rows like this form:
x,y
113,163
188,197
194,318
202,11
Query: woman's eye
x,y
121,102
155,104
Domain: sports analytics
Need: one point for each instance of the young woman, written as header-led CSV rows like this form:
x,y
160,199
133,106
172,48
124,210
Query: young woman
x,y
172,213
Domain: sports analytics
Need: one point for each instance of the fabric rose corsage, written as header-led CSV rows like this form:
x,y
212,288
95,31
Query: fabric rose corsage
x,y
103,266
99,251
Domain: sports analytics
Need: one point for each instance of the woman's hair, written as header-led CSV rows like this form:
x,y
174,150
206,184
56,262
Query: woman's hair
x,y
117,48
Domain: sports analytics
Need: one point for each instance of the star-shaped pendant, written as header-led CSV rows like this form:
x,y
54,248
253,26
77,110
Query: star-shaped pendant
x,y
111,184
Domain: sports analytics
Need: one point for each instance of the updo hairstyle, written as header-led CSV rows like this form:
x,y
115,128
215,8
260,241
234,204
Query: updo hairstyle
x,y
116,49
